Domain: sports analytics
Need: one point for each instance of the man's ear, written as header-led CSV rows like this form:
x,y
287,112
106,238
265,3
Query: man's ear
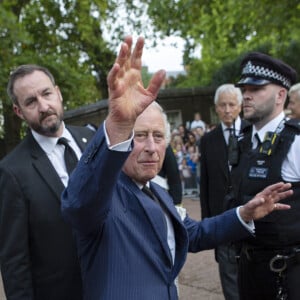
x,y
282,95
18,111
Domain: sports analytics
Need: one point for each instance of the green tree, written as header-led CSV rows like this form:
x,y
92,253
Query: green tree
x,y
63,35
226,29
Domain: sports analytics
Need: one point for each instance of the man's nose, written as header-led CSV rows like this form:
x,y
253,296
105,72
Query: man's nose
x,y
43,104
150,144
227,108
246,96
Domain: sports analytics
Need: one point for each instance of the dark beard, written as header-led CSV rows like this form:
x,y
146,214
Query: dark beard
x,y
48,130
254,119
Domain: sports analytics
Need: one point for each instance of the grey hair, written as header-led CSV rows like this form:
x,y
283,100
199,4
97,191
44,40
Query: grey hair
x,y
157,106
20,72
294,89
228,88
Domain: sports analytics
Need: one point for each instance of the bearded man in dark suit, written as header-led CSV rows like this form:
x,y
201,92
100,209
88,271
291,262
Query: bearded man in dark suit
x,y
38,256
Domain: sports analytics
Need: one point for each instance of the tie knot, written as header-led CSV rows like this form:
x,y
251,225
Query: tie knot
x,y
230,130
149,193
63,141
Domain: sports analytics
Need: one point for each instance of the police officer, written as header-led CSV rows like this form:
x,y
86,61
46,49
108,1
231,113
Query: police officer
x,y
269,266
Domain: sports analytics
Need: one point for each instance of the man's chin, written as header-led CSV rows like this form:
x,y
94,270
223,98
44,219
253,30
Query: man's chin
x,y
48,129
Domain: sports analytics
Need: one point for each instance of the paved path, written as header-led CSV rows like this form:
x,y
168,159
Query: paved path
x,y
199,278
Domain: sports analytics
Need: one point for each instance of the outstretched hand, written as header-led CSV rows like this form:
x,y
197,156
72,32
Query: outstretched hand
x,y
266,201
128,97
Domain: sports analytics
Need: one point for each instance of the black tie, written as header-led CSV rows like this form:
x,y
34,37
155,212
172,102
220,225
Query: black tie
x,y
258,140
69,155
232,148
149,193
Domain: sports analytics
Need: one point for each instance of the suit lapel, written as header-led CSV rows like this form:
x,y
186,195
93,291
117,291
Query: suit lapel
x,y
181,237
81,135
44,167
220,149
157,219
153,213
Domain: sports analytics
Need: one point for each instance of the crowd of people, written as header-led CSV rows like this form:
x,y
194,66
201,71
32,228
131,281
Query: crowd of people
x,y
185,142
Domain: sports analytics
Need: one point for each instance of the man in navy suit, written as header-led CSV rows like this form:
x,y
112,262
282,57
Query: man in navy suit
x,y
132,245
38,257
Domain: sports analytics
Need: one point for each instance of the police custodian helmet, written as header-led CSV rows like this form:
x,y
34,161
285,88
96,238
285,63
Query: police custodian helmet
x,y
260,69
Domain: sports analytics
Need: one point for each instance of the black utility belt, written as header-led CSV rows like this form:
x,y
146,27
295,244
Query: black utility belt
x,y
279,259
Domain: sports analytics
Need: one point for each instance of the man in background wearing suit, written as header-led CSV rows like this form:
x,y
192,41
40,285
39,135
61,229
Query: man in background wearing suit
x,y
215,176
38,256
169,176
131,240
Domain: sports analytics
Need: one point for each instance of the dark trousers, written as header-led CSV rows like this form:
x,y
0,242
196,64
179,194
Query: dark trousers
x,y
226,257
257,281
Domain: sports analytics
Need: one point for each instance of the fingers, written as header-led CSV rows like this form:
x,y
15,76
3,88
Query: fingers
x,y
279,186
156,82
125,52
112,76
281,206
136,58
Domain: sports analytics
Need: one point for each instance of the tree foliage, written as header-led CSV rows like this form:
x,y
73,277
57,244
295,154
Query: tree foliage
x,y
226,29
65,36
75,40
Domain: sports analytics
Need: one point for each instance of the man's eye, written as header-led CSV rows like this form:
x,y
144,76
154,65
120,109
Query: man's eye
x,y
29,102
140,136
158,137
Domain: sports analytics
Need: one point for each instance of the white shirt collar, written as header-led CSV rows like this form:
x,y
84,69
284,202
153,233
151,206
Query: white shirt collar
x,y
270,126
48,143
237,123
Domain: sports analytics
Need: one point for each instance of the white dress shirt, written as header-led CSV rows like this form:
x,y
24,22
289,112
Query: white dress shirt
x,y
55,152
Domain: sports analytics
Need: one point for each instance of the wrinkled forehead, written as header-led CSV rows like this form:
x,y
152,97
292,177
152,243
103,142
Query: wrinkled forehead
x,y
151,118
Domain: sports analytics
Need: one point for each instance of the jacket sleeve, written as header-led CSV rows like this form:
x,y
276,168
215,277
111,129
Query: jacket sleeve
x,y
212,232
14,242
86,201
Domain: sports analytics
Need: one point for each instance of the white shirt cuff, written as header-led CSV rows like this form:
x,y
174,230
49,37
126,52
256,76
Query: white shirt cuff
x,y
249,225
123,146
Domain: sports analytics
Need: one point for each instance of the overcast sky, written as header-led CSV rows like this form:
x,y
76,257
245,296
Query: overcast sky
x,y
164,56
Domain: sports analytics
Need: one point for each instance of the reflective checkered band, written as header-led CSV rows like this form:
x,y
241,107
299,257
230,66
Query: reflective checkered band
x,y
251,69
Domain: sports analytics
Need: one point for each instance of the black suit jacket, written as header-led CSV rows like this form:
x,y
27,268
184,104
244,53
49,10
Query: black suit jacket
x,y
170,171
38,257
214,172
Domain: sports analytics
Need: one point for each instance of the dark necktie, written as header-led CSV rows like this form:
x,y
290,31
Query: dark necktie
x,y
258,140
232,148
149,193
69,155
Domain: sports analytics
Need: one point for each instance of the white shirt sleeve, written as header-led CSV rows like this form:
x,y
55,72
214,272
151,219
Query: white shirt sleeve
x,y
249,226
123,146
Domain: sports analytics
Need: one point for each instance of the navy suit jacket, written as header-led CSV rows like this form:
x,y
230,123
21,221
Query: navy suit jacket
x,y
122,241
